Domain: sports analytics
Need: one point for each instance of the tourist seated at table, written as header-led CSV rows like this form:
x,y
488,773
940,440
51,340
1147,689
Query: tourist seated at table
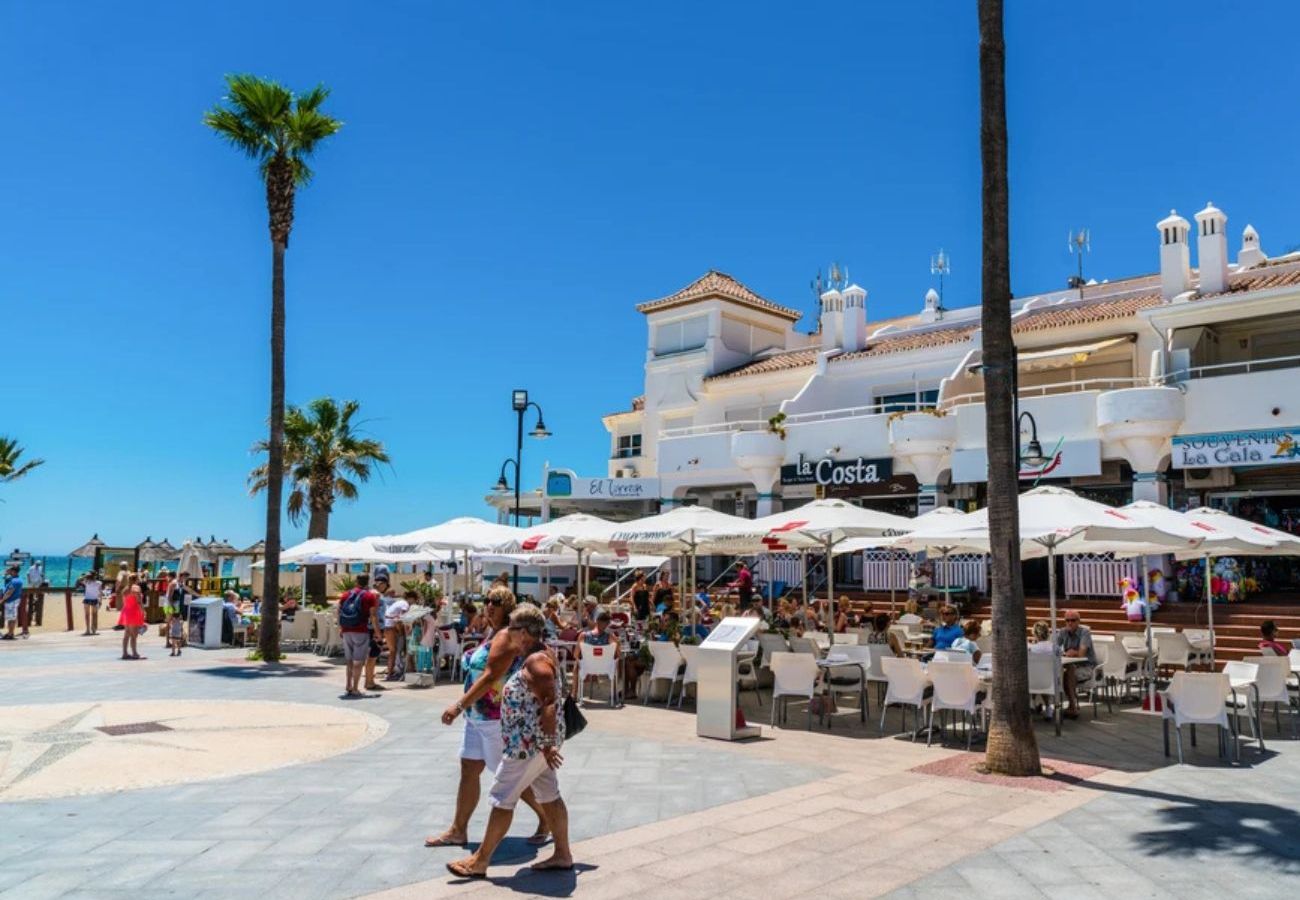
x,y
597,636
947,631
668,627
1269,641
784,612
231,619
664,595
842,616
288,607
1042,638
589,606
970,633
552,616
1076,643
881,634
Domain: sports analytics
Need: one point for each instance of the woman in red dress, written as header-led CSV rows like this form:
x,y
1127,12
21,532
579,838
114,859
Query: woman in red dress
x,y
132,621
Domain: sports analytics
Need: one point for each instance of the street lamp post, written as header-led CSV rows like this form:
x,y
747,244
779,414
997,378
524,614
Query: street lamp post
x,y
520,403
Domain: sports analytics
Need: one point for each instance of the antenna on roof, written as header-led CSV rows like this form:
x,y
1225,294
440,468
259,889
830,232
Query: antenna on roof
x,y
1079,242
941,265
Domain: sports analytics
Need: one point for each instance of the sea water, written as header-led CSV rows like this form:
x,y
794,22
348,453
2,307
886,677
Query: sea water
x,y
63,571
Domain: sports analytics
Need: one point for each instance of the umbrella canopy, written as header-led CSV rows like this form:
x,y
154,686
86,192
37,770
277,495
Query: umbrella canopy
x,y
465,533
941,519
323,551
221,547
258,549
89,549
683,529
191,559
165,546
562,533
570,558
1055,519
818,524
1219,532
1283,544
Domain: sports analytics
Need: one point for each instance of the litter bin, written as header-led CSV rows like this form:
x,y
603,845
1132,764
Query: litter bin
x,y
204,628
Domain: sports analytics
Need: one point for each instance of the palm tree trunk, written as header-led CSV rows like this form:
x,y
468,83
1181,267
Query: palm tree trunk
x,y
318,526
269,640
1012,746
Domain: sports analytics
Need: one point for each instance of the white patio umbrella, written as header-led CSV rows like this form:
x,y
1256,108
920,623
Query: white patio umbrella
x,y
821,524
192,559
1053,519
561,534
681,531
463,535
941,519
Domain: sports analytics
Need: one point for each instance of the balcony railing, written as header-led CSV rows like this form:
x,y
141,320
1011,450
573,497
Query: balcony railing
x,y
1060,387
716,428
857,412
1234,368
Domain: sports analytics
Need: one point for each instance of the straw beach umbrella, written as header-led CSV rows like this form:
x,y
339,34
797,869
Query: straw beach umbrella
x,y
89,549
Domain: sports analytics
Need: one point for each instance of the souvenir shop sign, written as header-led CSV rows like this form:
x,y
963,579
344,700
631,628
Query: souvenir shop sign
x,y
1266,447
1065,459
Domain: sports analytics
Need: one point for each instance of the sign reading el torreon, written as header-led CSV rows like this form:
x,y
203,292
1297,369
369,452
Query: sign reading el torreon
x,y
563,483
1266,447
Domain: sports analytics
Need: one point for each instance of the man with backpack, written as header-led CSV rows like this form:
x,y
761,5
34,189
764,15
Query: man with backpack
x,y
357,616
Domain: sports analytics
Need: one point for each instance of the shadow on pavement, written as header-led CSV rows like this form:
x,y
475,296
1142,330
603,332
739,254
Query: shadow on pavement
x,y
258,671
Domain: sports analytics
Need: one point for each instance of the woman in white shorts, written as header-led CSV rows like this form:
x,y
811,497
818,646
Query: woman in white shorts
x,y
532,727
487,668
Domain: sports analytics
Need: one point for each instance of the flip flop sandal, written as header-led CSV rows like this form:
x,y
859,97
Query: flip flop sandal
x,y
540,839
455,869
440,841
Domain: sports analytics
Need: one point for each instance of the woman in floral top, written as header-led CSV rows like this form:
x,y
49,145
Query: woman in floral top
x,y
532,726
487,668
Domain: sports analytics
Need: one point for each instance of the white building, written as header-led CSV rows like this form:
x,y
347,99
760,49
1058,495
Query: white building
x,y
1175,386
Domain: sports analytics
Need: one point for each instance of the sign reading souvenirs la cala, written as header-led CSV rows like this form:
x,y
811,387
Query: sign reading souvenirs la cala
x,y
1269,447
837,472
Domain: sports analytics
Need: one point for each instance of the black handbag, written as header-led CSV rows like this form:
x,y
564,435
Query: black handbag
x,y
574,720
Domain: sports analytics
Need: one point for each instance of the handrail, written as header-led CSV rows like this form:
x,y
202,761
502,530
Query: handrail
x,y
715,428
855,412
725,572
1198,371
618,597
1056,388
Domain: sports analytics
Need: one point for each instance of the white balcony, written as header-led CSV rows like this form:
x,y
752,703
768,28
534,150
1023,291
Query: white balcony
x,y
1240,396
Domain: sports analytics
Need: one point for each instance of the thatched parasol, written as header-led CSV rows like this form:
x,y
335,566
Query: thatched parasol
x,y
89,549
149,552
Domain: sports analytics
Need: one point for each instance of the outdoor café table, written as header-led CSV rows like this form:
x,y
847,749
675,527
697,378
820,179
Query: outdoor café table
x,y
839,661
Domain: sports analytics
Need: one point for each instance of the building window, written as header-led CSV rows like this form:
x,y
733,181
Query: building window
x,y
682,335
909,401
629,445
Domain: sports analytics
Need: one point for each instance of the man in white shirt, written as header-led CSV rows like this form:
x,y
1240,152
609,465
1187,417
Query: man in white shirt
x,y
91,588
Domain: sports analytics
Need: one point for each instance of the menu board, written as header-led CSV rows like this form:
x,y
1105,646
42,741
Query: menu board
x,y
730,633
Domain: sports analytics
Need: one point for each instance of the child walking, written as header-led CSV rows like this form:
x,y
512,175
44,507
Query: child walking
x,y
175,634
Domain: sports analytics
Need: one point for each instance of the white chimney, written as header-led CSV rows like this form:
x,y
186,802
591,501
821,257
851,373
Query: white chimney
x,y
1212,249
832,320
855,318
1251,254
932,311
1175,266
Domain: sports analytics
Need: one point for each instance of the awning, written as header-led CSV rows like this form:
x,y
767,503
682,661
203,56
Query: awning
x,y
1057,357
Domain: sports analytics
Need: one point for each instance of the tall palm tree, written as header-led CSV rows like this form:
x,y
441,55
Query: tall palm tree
x,y
268,123
11,469
1012,747
324,459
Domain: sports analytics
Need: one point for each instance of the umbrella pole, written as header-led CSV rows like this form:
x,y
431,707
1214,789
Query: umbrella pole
x,y
830,593
1056,647
1151,660
1209,607
803,576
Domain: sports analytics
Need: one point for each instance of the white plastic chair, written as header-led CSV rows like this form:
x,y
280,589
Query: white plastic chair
x,y
691,654
769,643
1042,682
1243,682
851,676
875,671
666,667
598,662
1196,698
746,676
804,645
793,675
909,619
448,648
1294,658
906,688
296,631
1271,684
1173,650
956,687
956,656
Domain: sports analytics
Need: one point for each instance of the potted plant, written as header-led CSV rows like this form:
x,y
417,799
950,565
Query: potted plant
x,y
776,425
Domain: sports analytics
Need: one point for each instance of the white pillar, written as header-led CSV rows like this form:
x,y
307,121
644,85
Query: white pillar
x,y
766,504
930,497
1153,486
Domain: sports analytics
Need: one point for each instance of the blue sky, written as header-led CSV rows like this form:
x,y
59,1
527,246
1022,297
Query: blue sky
x,y
511,179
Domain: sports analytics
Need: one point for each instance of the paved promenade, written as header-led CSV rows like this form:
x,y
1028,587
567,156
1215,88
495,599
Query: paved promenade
x,y
206,776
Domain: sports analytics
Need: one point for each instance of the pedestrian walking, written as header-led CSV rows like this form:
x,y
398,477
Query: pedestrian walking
x,y
131,621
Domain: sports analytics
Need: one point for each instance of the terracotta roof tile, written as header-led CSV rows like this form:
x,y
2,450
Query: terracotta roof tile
x,y
791,359
720,285
914,340
1260,279
1066,314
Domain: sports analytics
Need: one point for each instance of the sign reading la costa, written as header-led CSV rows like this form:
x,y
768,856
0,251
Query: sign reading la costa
x,y
828,472
1272,447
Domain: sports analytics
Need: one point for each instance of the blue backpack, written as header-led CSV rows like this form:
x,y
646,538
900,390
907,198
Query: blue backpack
x,y
351,610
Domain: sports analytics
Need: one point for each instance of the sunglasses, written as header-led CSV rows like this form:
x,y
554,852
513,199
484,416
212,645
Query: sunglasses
x,y
1071,620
